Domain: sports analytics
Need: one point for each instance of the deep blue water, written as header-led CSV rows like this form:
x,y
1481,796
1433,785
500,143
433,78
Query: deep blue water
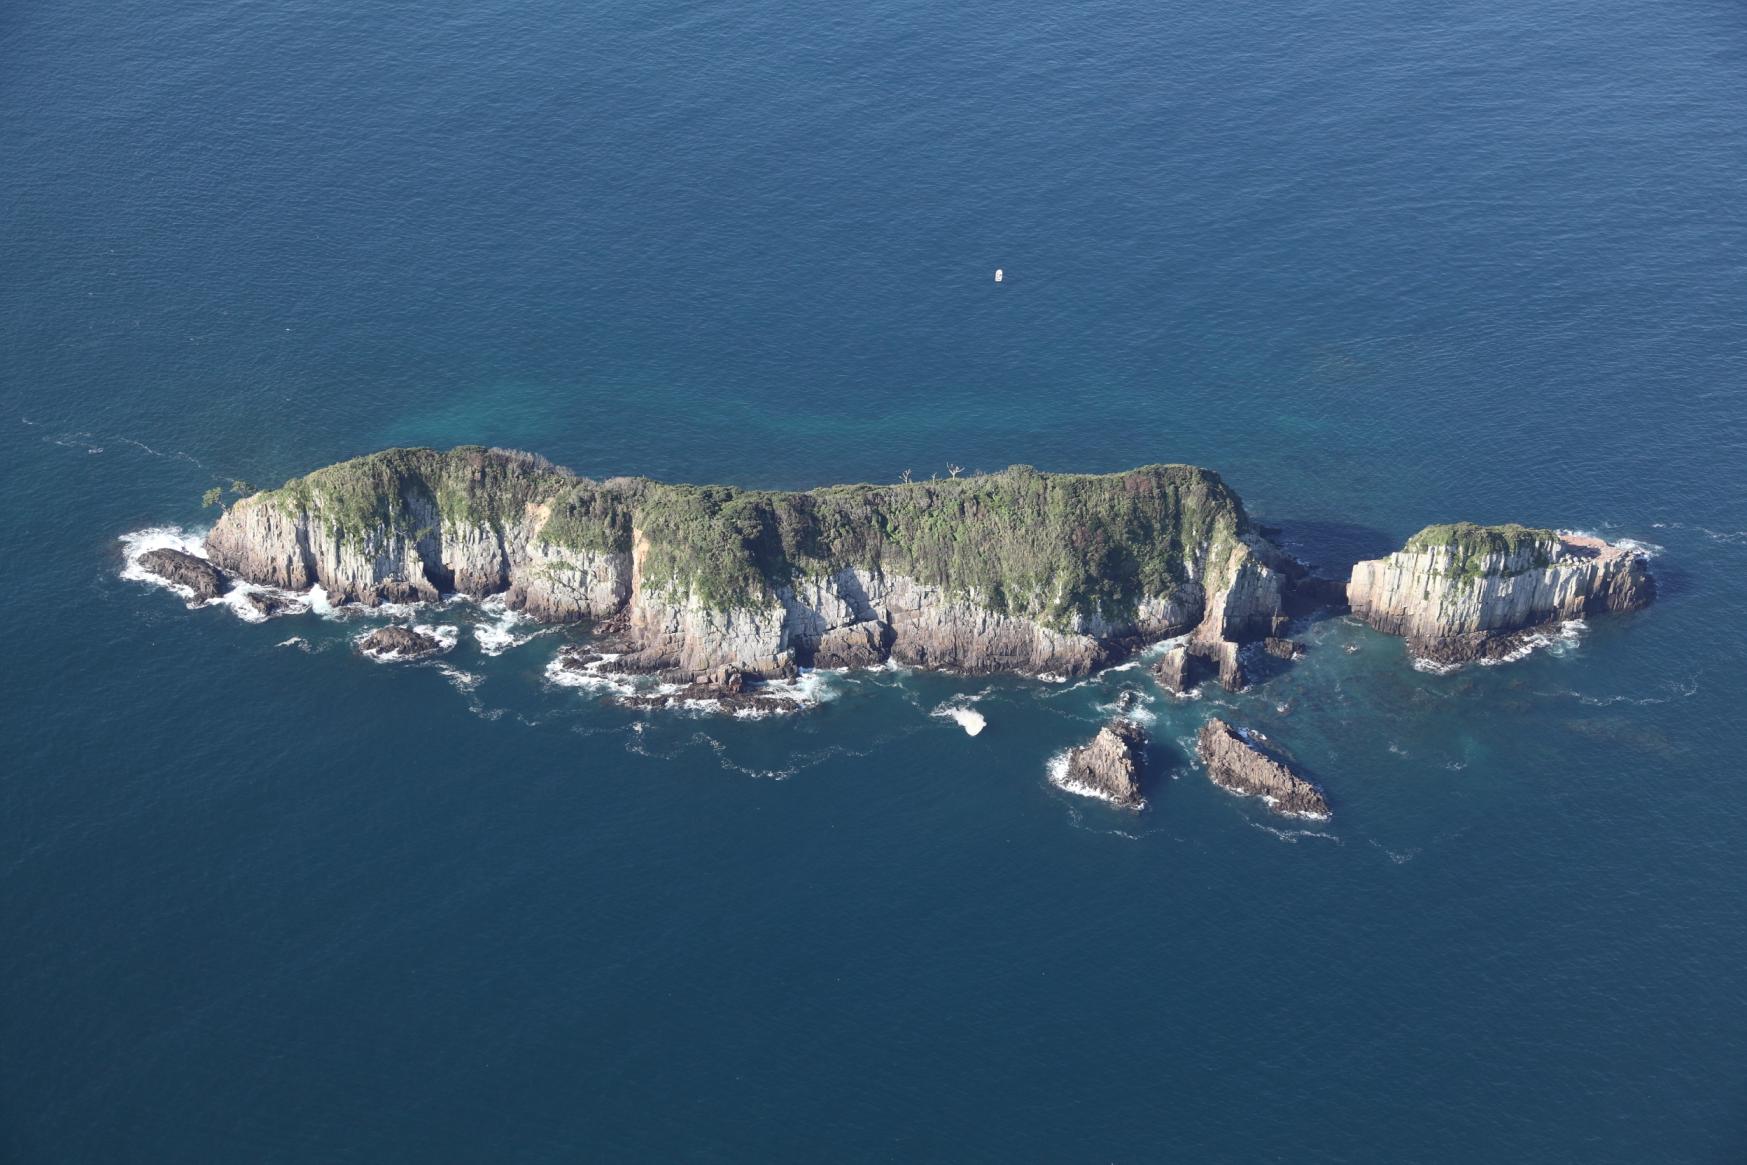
x,y
1379,265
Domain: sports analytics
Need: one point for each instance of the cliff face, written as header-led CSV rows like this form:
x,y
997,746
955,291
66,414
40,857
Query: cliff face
x,y
1460,592
1017,571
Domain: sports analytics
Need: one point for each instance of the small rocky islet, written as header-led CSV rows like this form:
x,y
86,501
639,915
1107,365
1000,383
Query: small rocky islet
x,y
716,591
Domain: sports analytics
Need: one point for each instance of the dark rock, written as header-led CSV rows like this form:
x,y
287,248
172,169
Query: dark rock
x,y
864,644
186,570
1310,594
1242,761
1282,648
579,660
399,643
1111,765
267,604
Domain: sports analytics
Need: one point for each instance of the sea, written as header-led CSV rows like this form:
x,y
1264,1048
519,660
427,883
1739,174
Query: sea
x,y
263,899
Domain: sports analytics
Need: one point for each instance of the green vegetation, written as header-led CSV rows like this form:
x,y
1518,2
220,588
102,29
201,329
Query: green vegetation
x,y
409,492
1044,545
1472,544
212,497
1024,542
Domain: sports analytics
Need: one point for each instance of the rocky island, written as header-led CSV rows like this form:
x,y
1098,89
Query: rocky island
x,y
1018,571
1464,592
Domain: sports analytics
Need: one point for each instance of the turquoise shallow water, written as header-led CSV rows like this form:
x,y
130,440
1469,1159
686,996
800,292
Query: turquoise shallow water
x,y
1380,267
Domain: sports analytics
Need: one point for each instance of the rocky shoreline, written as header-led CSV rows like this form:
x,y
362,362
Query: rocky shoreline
x,y
713,598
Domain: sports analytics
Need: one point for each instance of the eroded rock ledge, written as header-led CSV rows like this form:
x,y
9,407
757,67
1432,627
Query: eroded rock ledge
x,y
1242,761
1464,592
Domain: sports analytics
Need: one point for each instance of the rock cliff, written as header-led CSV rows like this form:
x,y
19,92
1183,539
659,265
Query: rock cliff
x,y
1463,592
1018,571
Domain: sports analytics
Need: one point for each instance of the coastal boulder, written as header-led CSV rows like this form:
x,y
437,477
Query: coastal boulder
x,y
266,604
1462,592
399,643
1282,648
1240,760
1110,766
182,569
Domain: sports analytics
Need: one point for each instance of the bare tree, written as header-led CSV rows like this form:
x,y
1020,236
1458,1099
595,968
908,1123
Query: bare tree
x,y
953,470
906,478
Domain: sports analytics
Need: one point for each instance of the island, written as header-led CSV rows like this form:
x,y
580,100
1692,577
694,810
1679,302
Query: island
x,y
1018,571
1463,592
717,591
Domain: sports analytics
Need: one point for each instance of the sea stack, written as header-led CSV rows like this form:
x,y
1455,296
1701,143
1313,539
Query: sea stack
x,y
1464,592
1242,761
1110,766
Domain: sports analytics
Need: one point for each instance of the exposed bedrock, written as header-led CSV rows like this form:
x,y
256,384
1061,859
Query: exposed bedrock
x,y
1243,761
1019,571
1463,592
1111,764
399,643
186,570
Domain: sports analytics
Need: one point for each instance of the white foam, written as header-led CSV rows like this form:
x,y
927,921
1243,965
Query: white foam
x,y
296,641
464,681
142,542
506,628
959,711
589,676
1138,708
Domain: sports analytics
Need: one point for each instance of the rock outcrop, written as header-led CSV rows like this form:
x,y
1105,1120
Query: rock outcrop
x,y
724,690
179,568
1241,761
1282,648
1110,766
399,643
1464,592
1018,571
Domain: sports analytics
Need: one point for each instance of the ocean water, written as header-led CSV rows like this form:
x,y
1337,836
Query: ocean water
x,y
1381,265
